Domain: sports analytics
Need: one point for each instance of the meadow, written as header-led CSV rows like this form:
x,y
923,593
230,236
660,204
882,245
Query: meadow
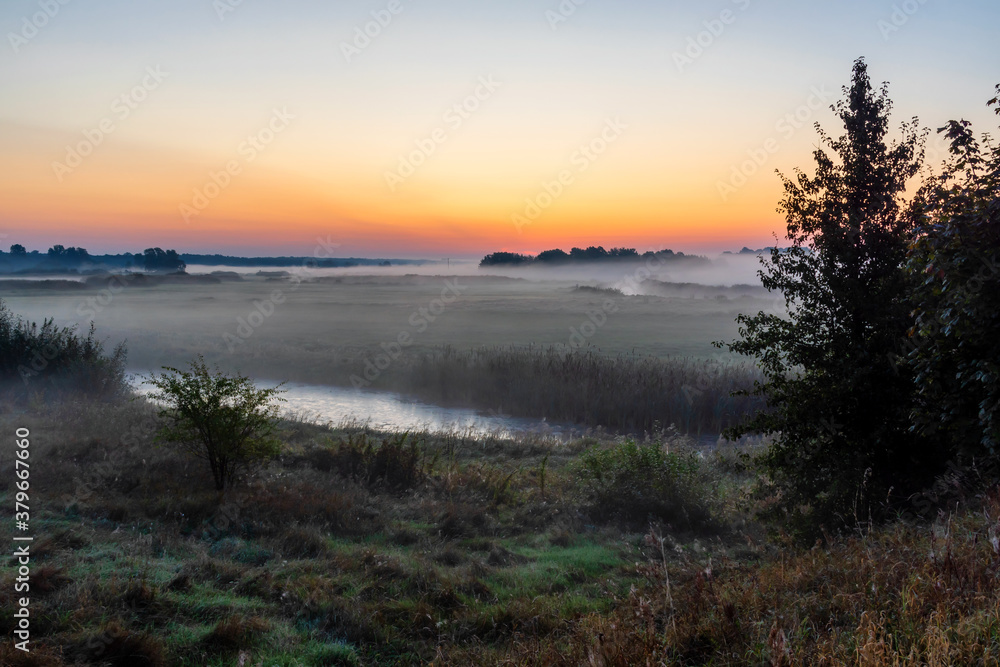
x,y
629,544
344,329
363,548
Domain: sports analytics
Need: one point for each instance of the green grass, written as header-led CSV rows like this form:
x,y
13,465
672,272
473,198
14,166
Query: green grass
x,y
445,571
396,572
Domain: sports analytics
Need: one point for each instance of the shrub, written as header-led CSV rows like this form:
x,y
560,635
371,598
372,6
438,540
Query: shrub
x,y
633,483
393,462
223,419
55,360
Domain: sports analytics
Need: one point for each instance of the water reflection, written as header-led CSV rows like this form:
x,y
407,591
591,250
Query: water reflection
x,y
391,412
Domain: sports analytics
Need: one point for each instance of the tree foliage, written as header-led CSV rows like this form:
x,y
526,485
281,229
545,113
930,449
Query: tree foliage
x,y
157,259
223,419
954,266
838,406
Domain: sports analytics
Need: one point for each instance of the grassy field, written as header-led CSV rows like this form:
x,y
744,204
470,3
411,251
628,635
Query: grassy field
x,y
360,548
325,329
330,556
553,349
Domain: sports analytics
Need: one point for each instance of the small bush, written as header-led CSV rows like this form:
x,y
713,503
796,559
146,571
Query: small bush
x,y
393,462
633,483
223,419
302,542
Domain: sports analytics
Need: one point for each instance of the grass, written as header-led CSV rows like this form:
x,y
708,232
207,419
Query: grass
x,y
364,548
627,393
898,595
328,328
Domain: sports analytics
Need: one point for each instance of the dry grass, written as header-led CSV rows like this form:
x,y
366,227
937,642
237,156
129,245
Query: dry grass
x,y
473,561
902,595
628,393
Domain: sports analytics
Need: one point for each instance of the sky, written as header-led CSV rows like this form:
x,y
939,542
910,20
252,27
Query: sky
x,y
433,128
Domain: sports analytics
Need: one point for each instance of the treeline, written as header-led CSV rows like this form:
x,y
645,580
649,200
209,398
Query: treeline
x,y
60,259
591,254
284,262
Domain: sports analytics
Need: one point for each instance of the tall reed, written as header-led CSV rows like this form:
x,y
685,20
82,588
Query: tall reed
x,y
629,393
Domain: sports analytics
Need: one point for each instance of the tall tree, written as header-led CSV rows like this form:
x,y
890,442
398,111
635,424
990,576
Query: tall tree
x,y
837,405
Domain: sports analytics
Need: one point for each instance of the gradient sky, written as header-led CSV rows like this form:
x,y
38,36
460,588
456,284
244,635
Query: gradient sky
x,y
682,129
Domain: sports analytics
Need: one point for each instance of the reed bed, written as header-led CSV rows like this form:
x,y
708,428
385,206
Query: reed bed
x,y
625,393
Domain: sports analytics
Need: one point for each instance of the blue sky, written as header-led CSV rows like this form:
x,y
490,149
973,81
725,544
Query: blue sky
x,y
689,123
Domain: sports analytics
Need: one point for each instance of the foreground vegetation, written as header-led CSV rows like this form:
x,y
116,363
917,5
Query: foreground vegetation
x,y
360,548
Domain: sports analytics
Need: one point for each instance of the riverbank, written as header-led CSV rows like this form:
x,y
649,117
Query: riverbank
x,y
364,548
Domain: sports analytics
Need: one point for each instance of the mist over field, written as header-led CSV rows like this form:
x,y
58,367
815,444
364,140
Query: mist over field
x,y
723,270
329,327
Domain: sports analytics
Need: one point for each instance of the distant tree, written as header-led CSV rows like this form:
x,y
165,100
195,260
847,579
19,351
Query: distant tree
x,y
954,350
156,259
552,256
557,256
501,258
223,419
68,256
590,254
17,250
837,405
77,255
